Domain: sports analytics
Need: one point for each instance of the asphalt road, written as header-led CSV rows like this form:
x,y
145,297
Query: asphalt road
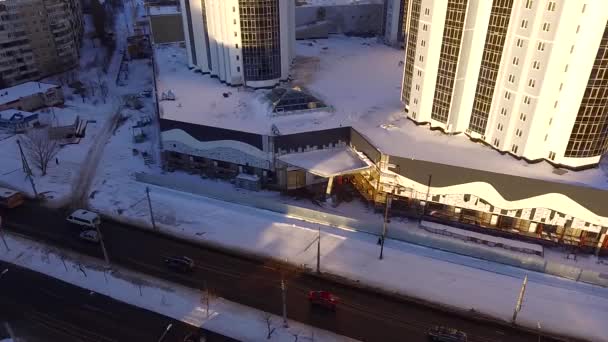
x,y
42,308
362,314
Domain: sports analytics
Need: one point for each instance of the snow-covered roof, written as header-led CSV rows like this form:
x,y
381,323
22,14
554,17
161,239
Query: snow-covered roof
x,y
163,10
10,113
14,93
338,71
327,162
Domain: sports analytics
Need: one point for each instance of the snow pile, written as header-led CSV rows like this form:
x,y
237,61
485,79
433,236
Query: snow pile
x,y
181,303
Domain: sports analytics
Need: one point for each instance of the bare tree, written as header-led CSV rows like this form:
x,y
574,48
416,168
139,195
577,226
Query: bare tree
x,y
268,319
40,148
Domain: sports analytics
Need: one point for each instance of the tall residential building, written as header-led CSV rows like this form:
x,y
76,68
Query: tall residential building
x,y
528,77
242,42
395,20
38,38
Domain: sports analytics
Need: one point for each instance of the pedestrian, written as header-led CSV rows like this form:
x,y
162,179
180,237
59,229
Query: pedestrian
x,y
379,240
57,161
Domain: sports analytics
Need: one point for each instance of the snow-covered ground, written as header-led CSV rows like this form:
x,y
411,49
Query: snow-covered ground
x,y
425,273
172,300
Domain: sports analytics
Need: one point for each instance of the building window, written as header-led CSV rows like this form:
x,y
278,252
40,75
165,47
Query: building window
x,y
507,95
546,27
527,100
524,23
572,49
531,83
237,46
421,58
238,69
514,148
561,85
424,27
518,132
515,60
536,65
551,6
552,155
422,43
233,9
546,136
499,127
555,104
541,46
419,73
503,111
550,121
417,86
584,8
235,34
238,57
511,78
234,21
529,4
522,116
427,11
520,42
578,28
566,68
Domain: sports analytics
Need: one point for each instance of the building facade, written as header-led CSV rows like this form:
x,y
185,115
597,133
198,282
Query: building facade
x,y
527,77
38,38
241,42
395,21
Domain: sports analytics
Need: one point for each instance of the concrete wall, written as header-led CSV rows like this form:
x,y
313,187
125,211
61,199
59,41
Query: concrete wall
x,y
167,28
347,19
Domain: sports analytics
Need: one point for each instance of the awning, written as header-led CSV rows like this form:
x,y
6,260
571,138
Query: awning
x,y
328,162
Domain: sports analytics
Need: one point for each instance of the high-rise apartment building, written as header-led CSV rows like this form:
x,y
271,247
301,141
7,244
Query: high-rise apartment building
x,y
528,77
38,38
395,21
242,42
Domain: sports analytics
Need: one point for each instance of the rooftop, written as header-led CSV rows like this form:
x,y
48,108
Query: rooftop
x,y
336,2
360,80
14,113
327,162
14,93
163,10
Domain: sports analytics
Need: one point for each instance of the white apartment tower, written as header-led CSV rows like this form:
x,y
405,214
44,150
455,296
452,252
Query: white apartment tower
x,y
242,42
529,77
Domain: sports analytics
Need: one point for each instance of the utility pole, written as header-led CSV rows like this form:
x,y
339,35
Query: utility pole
x,y
319,251
284,296
103,247
162,337
426,202
150,207
2,236
389,199
520,299
27,169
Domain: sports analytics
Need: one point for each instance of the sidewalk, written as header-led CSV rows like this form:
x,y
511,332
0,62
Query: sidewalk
x,y
445,278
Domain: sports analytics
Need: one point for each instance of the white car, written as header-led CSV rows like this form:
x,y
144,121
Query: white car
x,y
90,235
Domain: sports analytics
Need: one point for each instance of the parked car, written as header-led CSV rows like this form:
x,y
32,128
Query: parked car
x,y
180,263
84,219
323,299
90,235
445,334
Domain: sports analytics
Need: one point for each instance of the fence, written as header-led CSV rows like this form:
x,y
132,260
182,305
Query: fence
x,y
401,232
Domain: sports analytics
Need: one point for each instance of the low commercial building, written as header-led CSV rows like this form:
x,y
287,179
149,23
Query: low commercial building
x,y
31,96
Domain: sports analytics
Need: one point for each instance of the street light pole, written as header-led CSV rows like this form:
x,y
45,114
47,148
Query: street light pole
x,y
284,296
388,204
150,208
162,337
319,251
103,247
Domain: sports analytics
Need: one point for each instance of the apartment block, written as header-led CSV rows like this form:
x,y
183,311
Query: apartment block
x,y
528,77
241,42
38,38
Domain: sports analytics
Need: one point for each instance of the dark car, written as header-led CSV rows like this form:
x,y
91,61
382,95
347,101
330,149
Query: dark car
x,y
180,263
445,334
323,299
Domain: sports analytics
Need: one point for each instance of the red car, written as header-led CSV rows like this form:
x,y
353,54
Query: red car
x,y
323,298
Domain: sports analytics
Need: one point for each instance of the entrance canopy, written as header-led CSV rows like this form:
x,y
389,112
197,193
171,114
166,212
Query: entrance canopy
x,y
328,162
